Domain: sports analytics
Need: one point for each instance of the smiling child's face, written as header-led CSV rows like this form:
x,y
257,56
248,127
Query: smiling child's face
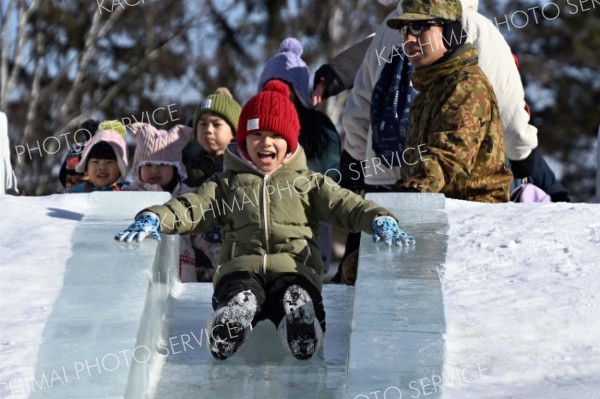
x,y
266,150
156,173
102,172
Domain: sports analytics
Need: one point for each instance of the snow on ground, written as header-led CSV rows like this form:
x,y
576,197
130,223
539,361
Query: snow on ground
x,y
521,294
522,300
35,243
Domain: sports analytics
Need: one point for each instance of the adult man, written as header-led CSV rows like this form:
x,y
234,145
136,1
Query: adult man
x,y
455,115
496,60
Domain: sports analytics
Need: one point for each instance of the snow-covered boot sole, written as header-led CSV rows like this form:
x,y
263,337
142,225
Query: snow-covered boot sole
x,y
300,330
229,327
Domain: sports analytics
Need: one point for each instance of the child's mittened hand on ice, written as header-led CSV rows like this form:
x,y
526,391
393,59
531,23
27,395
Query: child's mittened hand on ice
x,y
386,227
145,224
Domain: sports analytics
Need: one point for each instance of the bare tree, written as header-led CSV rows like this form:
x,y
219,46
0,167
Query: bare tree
x,y
65,61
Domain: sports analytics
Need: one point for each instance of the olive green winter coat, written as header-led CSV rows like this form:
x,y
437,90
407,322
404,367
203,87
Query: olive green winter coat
x,y
454,121
270,224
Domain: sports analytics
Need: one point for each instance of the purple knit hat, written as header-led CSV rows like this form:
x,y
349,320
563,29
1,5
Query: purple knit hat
x,y
289,67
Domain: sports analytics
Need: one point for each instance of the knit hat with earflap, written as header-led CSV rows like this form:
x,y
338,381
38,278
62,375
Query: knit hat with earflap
x,y
270,111
159,146
115,141
289,67
222,104
73,155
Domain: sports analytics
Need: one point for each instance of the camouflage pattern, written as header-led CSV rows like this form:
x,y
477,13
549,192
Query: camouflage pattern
x,y
421,10
456,121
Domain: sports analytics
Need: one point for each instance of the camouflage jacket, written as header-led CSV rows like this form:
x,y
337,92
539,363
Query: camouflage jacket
x,y
456,132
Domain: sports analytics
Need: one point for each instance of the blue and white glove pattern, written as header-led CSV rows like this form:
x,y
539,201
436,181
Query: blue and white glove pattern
x,y
386,228
145,224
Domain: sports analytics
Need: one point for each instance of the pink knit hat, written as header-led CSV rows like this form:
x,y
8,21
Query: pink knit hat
x,y
159,146
116,142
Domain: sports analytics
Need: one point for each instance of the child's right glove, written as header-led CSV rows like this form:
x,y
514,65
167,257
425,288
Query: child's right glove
x,y
386,227
145,224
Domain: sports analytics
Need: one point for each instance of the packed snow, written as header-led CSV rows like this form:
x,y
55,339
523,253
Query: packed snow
x,y
521,288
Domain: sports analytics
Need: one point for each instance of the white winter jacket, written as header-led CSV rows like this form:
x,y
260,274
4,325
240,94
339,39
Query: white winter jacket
x,y
495,59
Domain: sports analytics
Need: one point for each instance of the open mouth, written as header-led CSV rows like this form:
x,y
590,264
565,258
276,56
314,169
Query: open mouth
x,y
266,155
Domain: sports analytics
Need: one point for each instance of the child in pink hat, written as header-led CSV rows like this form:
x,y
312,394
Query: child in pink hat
x,y
103,162
158,166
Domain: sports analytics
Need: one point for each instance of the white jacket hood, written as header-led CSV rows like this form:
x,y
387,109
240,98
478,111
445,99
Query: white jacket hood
x,y
470,5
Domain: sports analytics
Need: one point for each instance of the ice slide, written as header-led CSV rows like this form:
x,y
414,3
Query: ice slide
x,y
124,326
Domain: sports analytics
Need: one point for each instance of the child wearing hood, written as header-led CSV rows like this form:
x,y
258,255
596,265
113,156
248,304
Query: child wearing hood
x,y
103,162
269,206
157,166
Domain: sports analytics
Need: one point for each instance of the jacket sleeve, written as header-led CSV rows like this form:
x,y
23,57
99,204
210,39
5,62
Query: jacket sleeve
x,y
356,118
497,62
455,136
340,207
340,72
331,159
191,212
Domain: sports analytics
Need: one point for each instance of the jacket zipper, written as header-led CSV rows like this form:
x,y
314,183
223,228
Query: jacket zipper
x,y
265,221
308,252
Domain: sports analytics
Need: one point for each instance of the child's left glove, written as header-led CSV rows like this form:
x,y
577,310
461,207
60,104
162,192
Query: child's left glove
x,y
145,224
386,227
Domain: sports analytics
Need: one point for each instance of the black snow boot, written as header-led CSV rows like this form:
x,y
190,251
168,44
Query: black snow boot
x,y
300,330
229,327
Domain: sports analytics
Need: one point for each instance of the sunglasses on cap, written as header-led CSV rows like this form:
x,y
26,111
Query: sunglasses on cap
x,y
415,28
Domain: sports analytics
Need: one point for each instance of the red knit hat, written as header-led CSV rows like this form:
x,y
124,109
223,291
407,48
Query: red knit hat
x,y
271,110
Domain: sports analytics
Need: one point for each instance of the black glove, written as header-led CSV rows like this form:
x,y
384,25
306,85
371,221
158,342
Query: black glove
x,y
524,168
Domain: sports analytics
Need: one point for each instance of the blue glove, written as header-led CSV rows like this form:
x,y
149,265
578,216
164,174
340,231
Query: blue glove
x,y
145,224
387,228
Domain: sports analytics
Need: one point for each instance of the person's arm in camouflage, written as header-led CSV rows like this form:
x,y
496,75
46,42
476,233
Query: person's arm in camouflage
x,y
455,137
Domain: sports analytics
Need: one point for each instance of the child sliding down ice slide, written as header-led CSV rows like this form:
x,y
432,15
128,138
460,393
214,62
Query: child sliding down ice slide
x,y
269,206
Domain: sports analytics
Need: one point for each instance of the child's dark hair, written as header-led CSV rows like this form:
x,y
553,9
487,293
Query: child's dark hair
x,y
101,150
313,136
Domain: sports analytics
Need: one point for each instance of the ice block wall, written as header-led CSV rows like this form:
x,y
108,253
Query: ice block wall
x,y
100,336
397,345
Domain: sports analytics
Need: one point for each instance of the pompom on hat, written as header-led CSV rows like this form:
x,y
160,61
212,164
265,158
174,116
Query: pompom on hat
x,y
159,146
270,111
113,125
222,104
289,67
